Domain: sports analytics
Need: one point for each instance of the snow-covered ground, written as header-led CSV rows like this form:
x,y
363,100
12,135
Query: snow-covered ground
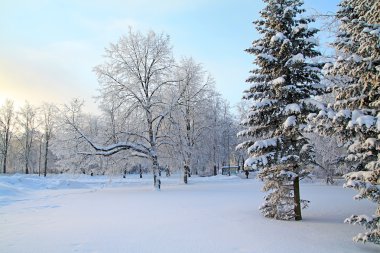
x,y
67,213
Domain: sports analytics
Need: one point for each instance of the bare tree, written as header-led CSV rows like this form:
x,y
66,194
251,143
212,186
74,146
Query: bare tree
x,y
7,115
329,156
137,72
27,121
216,133
69,142
195,86
49,121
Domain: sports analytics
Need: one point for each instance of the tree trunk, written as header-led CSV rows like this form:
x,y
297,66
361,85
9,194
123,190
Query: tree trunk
x,y
6,146
46,155
155,170
5,162
185,174
215,171
297,199
26,148
39,158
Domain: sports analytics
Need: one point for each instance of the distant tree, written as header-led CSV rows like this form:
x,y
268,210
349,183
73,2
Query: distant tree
x,y
27,120
7,117
194,85
70,143
355,116
329,156
281,87
49,121
216,131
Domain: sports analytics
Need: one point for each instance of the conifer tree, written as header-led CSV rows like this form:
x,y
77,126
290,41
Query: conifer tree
x,y
355,116
282,83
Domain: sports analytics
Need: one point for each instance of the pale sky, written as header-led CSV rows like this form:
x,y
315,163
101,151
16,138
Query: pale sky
x,y
49,47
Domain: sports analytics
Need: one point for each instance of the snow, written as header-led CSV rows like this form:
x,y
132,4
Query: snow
x,y
288,174
263,102
261,160
344,113
284,159
296,59
290,121
358,118
314,103
279,80
267,57
261,144
278,37
375,32
312,40
292,108
210,215
366,120
365,176
356,58
354,147
300,27
370,143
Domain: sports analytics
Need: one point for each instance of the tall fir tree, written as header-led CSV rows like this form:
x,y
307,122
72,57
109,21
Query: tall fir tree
x,y
282,84
355,116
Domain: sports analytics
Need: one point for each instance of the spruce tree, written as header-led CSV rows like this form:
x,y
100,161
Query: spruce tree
x,y
281,84
355,116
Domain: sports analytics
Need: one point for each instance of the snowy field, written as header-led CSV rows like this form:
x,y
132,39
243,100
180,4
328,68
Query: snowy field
x,y
67,213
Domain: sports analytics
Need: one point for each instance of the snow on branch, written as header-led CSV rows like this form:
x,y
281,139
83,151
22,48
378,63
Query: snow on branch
x,y
109,149
262,144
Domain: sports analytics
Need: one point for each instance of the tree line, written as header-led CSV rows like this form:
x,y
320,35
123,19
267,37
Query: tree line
x,y
155,111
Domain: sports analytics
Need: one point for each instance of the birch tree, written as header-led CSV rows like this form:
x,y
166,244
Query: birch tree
x,y
27,120
194,86
7,115
49,115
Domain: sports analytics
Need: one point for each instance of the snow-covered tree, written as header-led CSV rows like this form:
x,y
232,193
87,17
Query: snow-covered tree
x,y
329,157
195,85
138,71
49,123
27,120
281,86
7,117
355,116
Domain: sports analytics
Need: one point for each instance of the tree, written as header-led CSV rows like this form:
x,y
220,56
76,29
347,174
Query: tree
x,y
329,156
355,116
28,123
281,87
7,115
49,122
194,85
138,72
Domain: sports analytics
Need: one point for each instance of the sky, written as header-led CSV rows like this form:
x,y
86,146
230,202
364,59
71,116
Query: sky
x,y
48,48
